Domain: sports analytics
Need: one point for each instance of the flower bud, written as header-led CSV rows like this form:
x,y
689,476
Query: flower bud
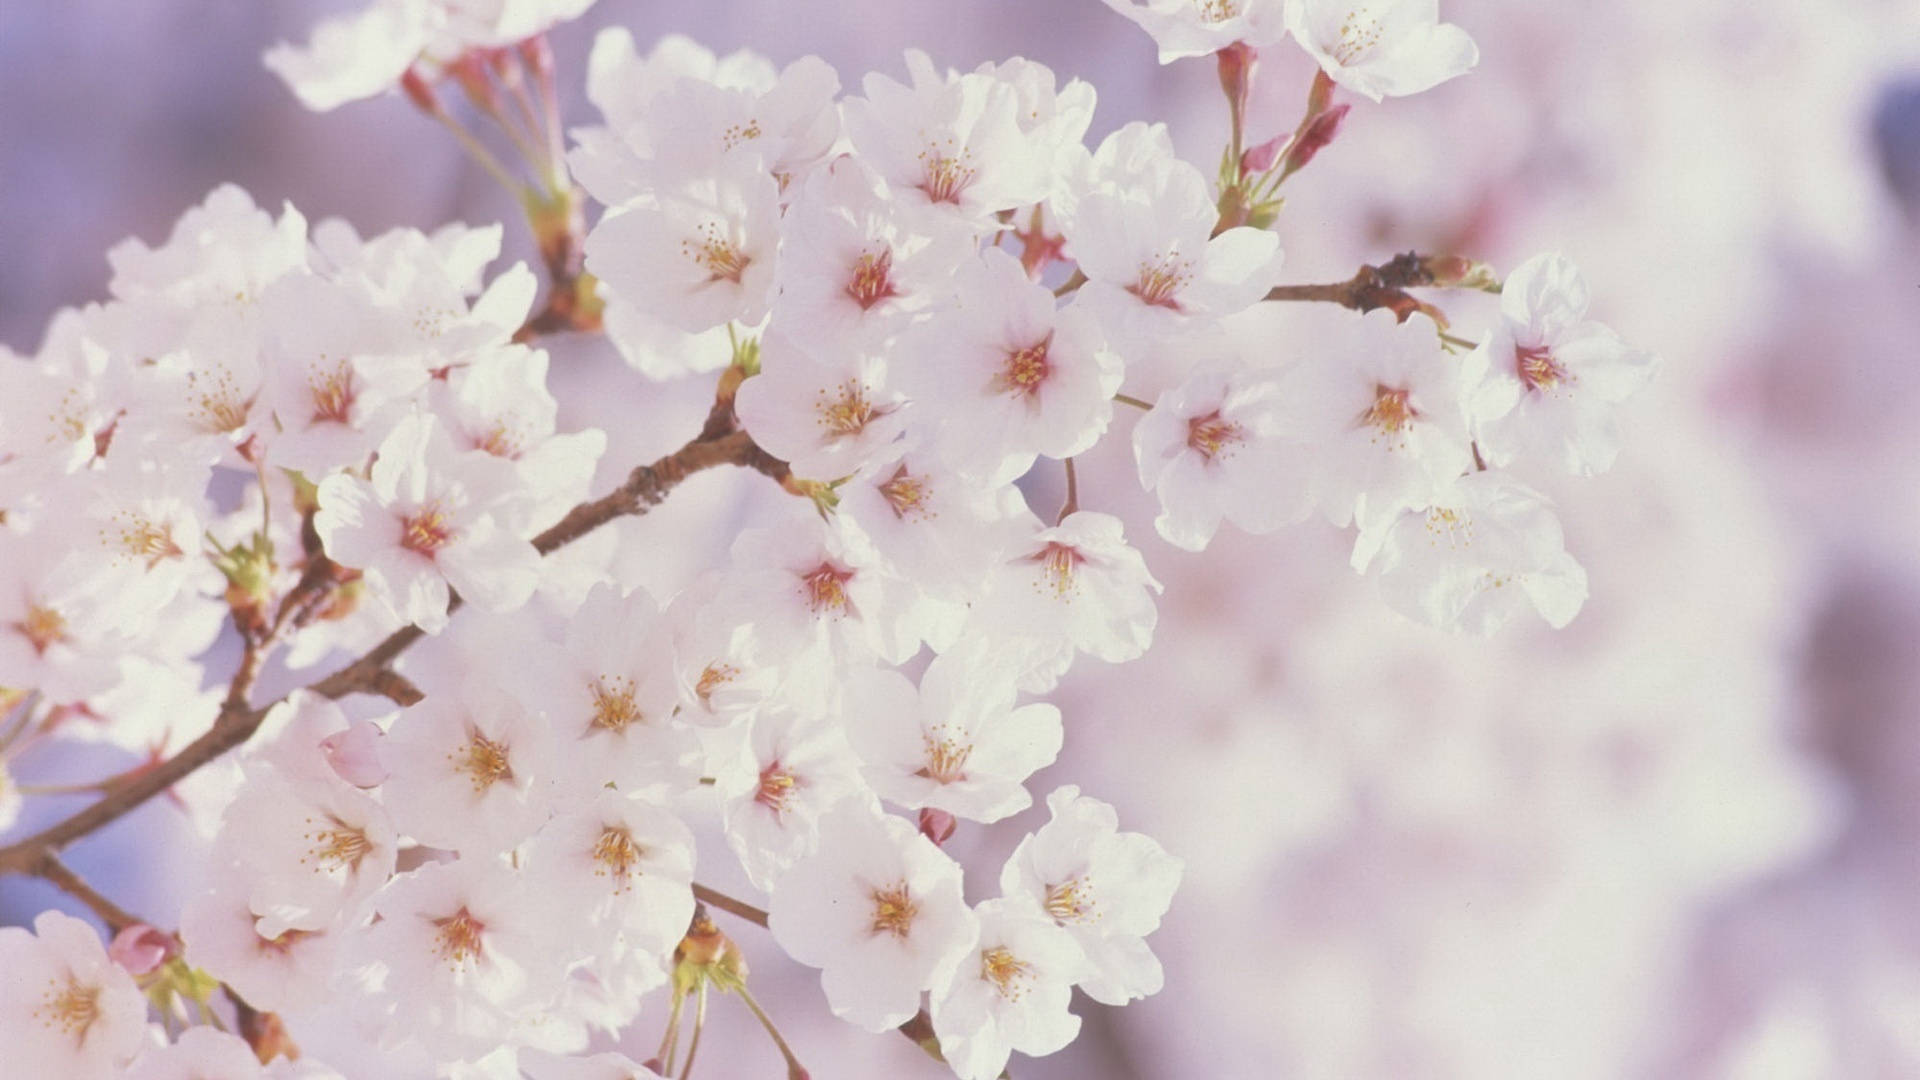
x,y
140,948
1258,159
1320,131
937,825
1236,73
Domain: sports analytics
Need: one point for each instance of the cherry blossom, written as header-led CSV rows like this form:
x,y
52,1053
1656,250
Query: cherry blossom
x,y
423,523
1382,48
1183,28
65,1008
1108,888
1014,998
1553,375
878,909
1218,447
1014,377
1487,547
954,743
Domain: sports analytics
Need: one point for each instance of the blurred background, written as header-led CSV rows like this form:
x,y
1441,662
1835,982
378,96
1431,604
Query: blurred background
x,y
1679,839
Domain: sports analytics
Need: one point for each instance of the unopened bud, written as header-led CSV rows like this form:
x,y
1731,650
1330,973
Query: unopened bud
x,y
937,825
140,948
707,951
1320,131
1258,159
1235,65
1459,272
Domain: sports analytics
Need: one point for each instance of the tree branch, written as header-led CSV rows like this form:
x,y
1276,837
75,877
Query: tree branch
x,y
1385,286
728,904
116,917
645,487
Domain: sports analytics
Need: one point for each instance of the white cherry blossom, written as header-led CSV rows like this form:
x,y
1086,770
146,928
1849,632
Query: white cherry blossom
x,y
954,743
1153,263
1218,448
471,770
1013,376
1014,996
1183,28
1075,586
697,254
1385,408
825,414
423,522
1382,48
1486,548
949,145
789,770
1108,888
66,1010
1553,376
878,909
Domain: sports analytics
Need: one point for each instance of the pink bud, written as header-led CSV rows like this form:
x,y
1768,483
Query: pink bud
x,y
1236,71
937,825
355,754
140,948
1320,131
1259,159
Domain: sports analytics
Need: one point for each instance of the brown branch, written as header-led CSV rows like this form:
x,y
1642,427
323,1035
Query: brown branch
x,y
728,904
1385,286
116,917
645,487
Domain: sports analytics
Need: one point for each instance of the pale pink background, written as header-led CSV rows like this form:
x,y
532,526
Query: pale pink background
x,y
1676,840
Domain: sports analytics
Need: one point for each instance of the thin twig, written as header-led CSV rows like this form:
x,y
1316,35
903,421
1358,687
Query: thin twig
x,y
646,487
728,904
116,917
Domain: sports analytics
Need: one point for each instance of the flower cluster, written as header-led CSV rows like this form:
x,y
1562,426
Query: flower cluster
x,y
913,295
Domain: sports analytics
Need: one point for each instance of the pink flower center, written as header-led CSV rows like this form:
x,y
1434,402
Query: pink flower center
x,y
616,855
1057,565
825,590
872,279
946,760
484,760
1537,367
894,910
43,628
332,392
1007,973
142,538
340,846
1392,410
426,531
848,412
461,936
71,1009
905,494
1070,901
1026,370
1159,283
614,708
1209,435
722,259
776,788
946,175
